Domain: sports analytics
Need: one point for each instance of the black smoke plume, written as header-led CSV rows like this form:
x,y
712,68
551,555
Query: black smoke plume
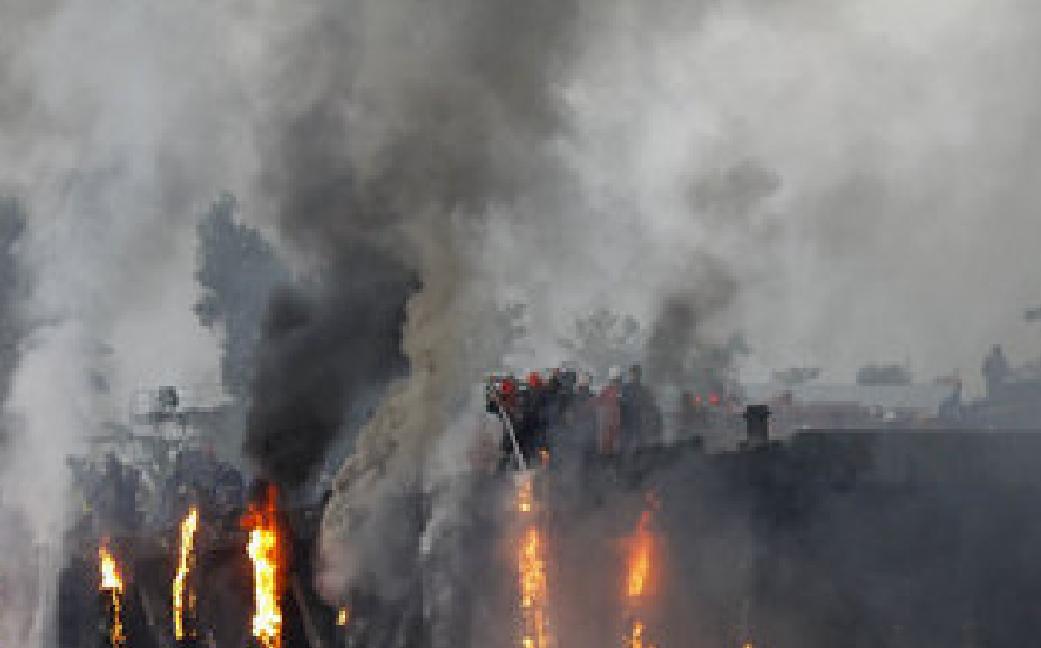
x,y
370,212
320,349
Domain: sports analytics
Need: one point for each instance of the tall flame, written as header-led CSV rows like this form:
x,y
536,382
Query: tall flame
x,y
531,567
264,549
184,600
113,584
638,575
640,558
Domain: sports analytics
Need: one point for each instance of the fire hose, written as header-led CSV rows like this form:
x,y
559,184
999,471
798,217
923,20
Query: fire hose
x,y
508,424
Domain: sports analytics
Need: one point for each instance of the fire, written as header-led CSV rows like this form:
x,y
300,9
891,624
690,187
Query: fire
x,y
110,580
182,599
531,567
640,558
343,616
525,496
636,635
638,575
533,590
113,584
264,549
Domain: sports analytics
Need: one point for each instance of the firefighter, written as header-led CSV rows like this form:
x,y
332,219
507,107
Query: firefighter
x,y
115,497
639,414
531,419
608,415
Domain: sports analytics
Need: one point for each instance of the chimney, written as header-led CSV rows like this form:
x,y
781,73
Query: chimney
x,y
757,418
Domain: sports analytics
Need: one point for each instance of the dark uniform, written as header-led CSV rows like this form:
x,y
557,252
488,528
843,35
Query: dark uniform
x,y
640,417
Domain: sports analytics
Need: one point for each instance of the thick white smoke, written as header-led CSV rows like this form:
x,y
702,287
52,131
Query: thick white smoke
x,y
121,123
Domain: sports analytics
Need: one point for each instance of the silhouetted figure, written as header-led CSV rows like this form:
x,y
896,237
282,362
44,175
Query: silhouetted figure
x,y
950,408
995,371
608,415
639,414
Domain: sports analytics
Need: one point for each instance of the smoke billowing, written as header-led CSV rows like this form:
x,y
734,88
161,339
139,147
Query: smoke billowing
x,y
840,182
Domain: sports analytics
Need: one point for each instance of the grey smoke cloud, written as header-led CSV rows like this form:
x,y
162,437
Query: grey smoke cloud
x,y
544,150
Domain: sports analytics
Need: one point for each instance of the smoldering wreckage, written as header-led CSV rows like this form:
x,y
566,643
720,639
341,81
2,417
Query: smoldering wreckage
x,y
585,516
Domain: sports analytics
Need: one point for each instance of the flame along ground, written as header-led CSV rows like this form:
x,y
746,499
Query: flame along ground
x,y
265,552
638,574
531,567
183,599
113,584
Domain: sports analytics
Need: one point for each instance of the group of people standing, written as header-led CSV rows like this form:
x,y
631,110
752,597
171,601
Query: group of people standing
x,y
560,410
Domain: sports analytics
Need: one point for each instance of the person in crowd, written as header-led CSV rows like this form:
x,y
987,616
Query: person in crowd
x,y
641,421
609,416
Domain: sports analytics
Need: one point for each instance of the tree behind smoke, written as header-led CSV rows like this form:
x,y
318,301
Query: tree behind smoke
x,y
237,270
605,338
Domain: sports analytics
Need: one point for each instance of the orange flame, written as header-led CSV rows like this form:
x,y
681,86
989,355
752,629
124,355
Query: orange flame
x,y
264,549
533,590
525,496
113,584
638,576
531,567
640,558
181,602
636,635
110,579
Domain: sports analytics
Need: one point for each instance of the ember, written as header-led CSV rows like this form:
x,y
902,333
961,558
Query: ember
x,y
264,551
635,639
524,496
183,597
113,585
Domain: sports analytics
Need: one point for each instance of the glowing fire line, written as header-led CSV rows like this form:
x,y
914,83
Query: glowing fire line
x,y
531,567
113,584
640,558
637,580
181,602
